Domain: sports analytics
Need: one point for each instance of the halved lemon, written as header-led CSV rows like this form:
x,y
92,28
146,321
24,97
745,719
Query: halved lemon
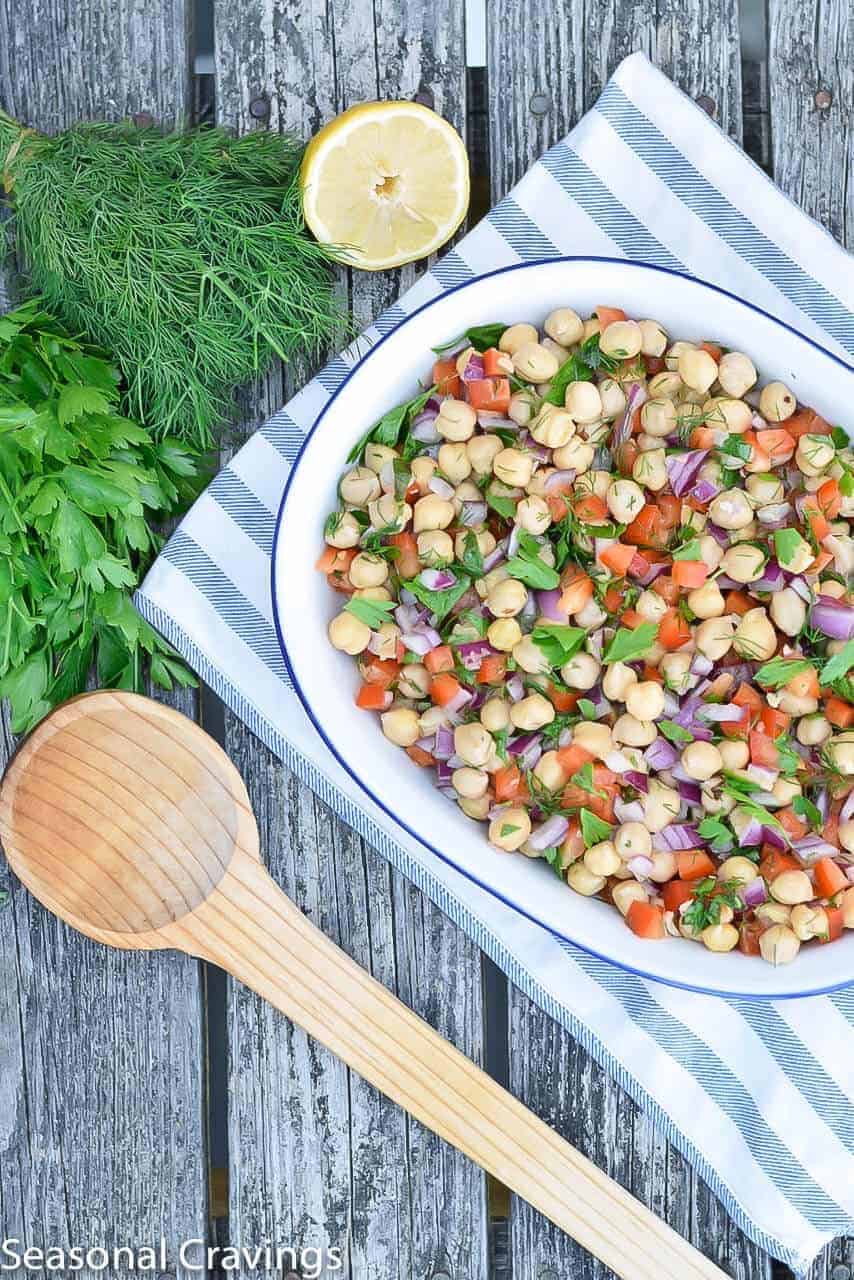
x,y
387,181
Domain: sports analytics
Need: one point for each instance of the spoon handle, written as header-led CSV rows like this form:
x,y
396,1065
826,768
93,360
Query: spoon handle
x,y
251,929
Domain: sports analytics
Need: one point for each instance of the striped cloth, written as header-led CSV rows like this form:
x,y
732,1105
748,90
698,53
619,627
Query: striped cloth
x,y
757,1096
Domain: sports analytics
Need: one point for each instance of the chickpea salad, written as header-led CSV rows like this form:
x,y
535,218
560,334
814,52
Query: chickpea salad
x,y
600,581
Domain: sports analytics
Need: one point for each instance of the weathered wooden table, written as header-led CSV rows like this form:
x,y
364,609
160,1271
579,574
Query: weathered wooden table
x,y
141,1096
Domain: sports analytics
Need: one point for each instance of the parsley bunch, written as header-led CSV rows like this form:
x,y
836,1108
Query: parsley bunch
x,y
79,488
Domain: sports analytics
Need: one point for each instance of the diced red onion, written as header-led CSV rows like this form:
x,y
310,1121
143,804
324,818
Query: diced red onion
x,y
721,712
701,665
493,560
376,642
488,419
473,371
547,603
638,780
640,866
456,762
661,754
460,699
704,491
515,688
473,653
513,544
527,749
690,792
679,835
754,893
427,744
773,578
847,809
416,642
550,833
565,738
682,469
628,810
721,536
822,803
775,513
637,394
773,836
441,487
762,776
437,579
443,772
387,477
801,588
617,762
444,745
424,429
649,575
473,513
849,871
811,848
751,833
833,619
557,479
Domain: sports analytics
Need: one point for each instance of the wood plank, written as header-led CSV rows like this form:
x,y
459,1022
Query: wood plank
x,y
580,46
341,1165
101,1091
811,50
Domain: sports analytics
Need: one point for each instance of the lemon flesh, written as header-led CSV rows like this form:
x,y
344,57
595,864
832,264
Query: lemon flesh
x,y
386,181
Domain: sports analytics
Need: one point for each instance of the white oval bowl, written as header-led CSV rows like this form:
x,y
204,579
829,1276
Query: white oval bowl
x,y
326,680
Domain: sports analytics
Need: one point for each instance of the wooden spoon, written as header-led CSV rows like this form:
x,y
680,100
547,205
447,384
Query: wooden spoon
x,y
124,818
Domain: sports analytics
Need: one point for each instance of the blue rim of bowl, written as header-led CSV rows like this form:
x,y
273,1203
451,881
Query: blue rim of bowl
x,y
483,884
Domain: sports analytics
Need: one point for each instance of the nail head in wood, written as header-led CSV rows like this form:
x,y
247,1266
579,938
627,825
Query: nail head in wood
x,y
539,104
259,108
824,99
708,104
425,98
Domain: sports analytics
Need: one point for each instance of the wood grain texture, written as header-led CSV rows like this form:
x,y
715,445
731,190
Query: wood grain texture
x,y
101,1052
811,48
340,1163
580,43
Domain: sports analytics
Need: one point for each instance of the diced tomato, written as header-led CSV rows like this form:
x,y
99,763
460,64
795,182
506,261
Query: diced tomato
x,y
630,618
815,517
446,378
645,919
420,756
652,673
689,573
613,600
835,924
590,508
490,395
703,438
571,758
654,365
830,830
562,699
673,630
381,671
762,750
626,456
774,722
739,602
748,937
439,659
373,697
608,315
839,712
830,498
694,864
804,684
776,442
806,422
444,688
617,558
508,783
774,862
496,364
336,559
821,562
340,582
829,879
712,349
675,892
492,668
407,564
647,529
791,823
576,590
666,588
746,696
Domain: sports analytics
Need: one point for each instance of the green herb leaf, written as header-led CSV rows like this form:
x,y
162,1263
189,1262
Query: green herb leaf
x,y
688,551
593,829
583,778
736,447
507,828
805,808
839,665
572,370
629,644
388,430
439,602
552,857
674,732
789,761
717,833
780,671
787,544
587,709
527,566
372,612
505,507
472,559
839,437
710,896
559,643
480,336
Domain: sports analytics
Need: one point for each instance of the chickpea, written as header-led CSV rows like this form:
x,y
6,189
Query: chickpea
x,y
400,726
632,840
372,593
840,752
348,633
510,829
553,427
626,893
389,635
710,552
377,455
736,373
697,369
735,415
791,887
846,835
645,700
663,866
706,601
701,760
674,351
550,772
359,486
660,805
517,336
765,488
528,655
456,420
653,338
676,670
345,531
634,732
814,454
423,469
367,570
581,672
533,515
580,878
534,362
788,611
507,598
477,809
495,715
773,913
779,944
714,637
432,512
744,562
513,467
784,790
808,922
435,547
602,859
482,451
473,744
504,634
414,681
595,738
734,754
793,704
591,615
625,499
777,402
650,469
755,637
848,907
621,338
454,462
658,417
564,326
719,937
591,327
532,712
483,538
389,514
831,588
731,509
470,783
617,681
583,401
575,456
813,730
651,606
613,399
666,385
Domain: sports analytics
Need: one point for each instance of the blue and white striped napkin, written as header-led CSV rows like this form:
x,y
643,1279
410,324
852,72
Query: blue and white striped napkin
x,y
757,1096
